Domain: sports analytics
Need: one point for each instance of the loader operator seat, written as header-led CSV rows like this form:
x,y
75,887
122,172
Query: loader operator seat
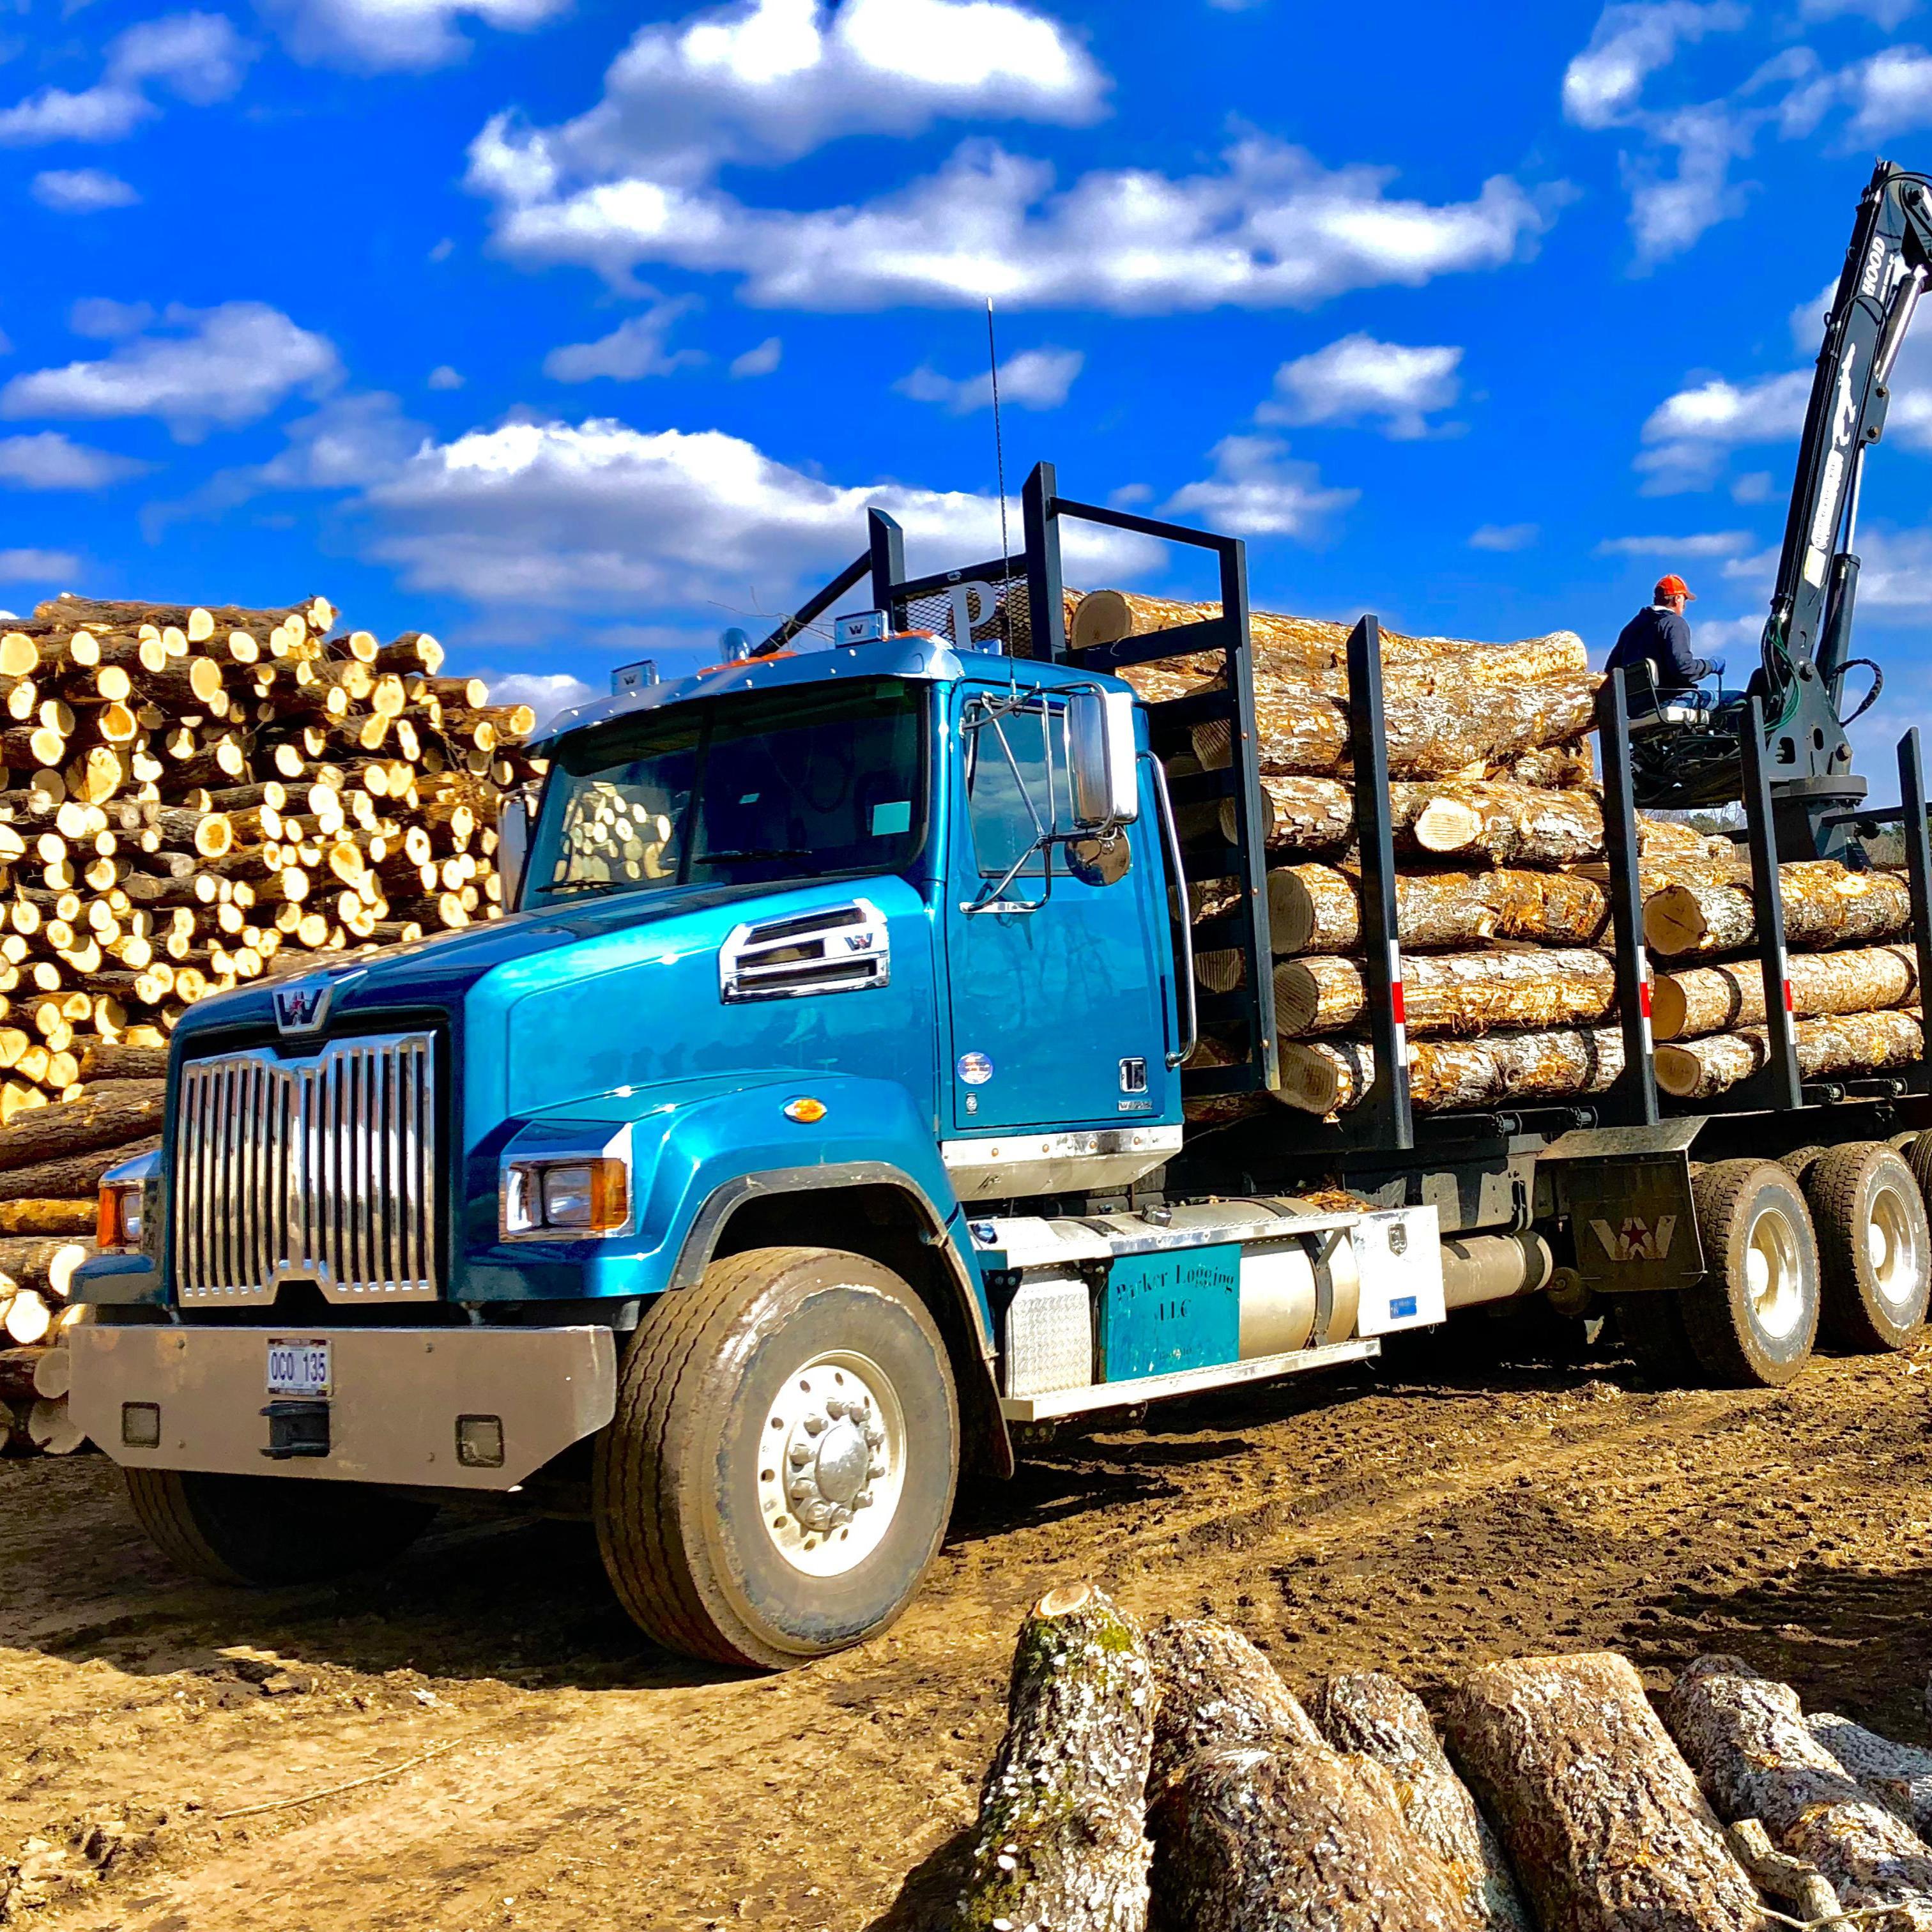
x,y
1650,710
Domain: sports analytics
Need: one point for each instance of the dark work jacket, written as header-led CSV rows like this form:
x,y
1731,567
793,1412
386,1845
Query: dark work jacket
x,y
1663,638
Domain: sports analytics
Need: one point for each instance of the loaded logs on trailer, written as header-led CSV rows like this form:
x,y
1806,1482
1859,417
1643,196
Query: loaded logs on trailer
x,y
1169,1778
197,797
1503,891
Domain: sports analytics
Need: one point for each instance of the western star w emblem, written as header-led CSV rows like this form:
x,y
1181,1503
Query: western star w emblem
x,y
1636,1241
302,1007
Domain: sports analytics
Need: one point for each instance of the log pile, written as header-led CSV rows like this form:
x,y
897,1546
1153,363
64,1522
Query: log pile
x,y
1502,904
1169,1779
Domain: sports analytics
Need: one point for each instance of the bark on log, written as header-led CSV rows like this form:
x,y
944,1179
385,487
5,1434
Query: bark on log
x,y
1695,1069
71,1176
1716,999
1061,1840
107,1115
1601,1817
1899,1776
1555,765
1372,1715
1306,814
34,1216
1452,992
46,1266
1825,904
1215,1690
1323,1077
17,1365
1796,1881
1494,819
1747,1737
1294,1839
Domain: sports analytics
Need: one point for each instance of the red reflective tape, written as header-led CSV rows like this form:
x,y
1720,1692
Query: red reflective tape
x,y
1396,1001
1788,1006
1643,999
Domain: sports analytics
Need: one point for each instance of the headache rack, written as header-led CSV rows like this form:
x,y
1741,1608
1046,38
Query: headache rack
x,y
1017,604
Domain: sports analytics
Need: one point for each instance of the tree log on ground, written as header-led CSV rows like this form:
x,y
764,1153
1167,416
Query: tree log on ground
x,y
72,1176
107,1115
1601,1817
1899,1776
1451,992
1216,1689
1294,1839
1718,999
1325,1076
1797,1882
1747,1737
1825,904
1370,1714
1696,1069
1061,1841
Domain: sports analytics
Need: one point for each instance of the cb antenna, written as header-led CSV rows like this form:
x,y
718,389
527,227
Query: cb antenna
x,y
1000,463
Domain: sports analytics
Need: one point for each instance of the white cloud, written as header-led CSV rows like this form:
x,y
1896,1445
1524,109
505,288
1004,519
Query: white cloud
x,y
81,190
102,319
442,376
1271,228
52,461
217,367
198,57
1710,543
760,361
1504,536
1035,379
398,34
1886,13
36,566
545,692
634,349
1669,211
1891,93
1255,490
1691,432
1358,376
1603,85
595,514
1895,576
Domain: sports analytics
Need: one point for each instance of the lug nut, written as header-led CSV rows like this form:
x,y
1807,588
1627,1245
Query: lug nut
x,y
814,1425
874,1439
800,1455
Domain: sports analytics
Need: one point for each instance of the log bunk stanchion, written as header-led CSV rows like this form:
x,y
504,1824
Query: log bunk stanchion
x,y
1631,1101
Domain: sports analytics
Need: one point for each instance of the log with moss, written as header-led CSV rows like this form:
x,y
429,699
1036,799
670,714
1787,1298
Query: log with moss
x,y
1324,1076
1846,1043
1601,1817
1826,904
1718,999
1451,992
1369,1714
1747,1735
1061,1840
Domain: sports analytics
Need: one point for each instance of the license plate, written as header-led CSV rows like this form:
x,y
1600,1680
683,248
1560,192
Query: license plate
x,y
298,1368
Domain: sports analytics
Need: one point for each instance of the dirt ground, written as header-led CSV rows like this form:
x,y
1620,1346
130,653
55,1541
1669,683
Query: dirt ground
x,y
1420,1515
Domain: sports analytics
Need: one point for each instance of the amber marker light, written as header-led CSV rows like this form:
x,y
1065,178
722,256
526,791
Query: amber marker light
x,y
575,1196
118,1229
804,1110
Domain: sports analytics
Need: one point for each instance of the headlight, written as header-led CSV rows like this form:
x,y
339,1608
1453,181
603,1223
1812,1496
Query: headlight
x,y
567,1197
119,1228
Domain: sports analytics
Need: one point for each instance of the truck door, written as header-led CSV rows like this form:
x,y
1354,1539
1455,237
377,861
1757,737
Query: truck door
x,y
1061,1004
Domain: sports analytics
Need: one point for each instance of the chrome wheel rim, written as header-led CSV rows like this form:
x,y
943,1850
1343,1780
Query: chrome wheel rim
x,y
832,1463
1893,1249
1774,1276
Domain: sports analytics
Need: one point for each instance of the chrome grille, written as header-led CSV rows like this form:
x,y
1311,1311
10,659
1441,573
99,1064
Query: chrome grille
x,y
323,1167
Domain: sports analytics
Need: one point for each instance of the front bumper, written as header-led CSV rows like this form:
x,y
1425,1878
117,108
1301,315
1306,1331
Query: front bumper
x,y
397,1394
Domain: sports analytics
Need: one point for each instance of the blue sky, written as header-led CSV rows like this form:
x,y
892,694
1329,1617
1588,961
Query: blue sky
x,y
573,333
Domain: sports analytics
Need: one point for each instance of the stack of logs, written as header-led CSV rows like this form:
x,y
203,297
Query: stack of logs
x,y
1502,895
196,797
1170,1778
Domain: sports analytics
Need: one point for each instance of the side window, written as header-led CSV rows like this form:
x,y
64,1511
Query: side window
x,y
1015,785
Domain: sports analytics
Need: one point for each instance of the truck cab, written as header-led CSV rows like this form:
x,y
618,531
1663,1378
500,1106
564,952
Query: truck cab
x,y
796,1138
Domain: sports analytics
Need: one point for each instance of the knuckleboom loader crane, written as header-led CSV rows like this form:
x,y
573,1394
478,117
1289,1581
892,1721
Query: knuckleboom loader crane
x,y
1689,754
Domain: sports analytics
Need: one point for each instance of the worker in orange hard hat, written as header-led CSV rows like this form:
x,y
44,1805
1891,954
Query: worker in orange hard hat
x,y
1660,637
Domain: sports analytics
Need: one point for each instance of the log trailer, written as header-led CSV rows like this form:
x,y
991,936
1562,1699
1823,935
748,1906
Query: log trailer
x,y
814,1131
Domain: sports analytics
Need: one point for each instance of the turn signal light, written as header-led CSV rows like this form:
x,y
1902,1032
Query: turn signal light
x,y
804,1110
118,1228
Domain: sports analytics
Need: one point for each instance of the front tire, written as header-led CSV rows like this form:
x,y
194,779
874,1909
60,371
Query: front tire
x,y
1873,1245
781,1464
263,1531
1751,1322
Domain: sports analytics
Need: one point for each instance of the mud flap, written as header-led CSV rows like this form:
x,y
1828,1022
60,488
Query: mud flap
x,y
1626,1192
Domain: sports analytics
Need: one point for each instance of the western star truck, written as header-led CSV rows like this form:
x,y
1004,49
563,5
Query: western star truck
x,y
812,1131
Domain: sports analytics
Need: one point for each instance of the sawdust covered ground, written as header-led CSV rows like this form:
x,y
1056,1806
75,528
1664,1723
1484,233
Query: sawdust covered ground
x,y
1421,1517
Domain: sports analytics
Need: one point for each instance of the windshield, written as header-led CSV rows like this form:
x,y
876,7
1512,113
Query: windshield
x,y
796,783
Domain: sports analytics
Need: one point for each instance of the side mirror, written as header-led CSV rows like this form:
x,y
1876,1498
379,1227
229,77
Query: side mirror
x,y
513,846
1100,759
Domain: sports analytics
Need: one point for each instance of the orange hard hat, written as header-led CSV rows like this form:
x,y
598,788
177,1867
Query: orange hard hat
x,y
1673,586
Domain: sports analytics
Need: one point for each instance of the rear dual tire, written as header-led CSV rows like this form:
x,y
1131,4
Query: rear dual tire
x,y
1875,1246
